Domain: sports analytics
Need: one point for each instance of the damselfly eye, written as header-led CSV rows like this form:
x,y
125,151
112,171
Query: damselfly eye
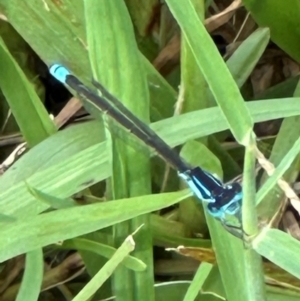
x,y
214,211
233,208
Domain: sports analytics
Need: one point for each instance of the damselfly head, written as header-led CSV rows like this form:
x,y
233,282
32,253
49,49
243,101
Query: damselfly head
x,y
228,202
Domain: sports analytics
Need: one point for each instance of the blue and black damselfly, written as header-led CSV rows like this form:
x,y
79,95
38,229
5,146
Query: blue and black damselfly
x,y
222,199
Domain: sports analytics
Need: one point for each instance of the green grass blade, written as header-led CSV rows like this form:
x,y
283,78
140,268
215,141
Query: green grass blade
x,y
279,172
33,276
249,218
28,110
198,280
222,85
245,58
49,200
109,53
281,19
78,164
253,272
83,160
103,250
96,282
49,228
193,85
285,143
285,255
193,125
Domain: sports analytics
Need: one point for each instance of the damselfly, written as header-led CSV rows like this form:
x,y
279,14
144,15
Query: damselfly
x,y
222,199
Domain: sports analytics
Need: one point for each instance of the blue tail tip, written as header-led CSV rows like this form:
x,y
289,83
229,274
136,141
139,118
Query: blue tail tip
x,y
59,72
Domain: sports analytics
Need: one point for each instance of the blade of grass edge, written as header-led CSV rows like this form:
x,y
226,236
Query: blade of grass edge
x,y
222,85
131,169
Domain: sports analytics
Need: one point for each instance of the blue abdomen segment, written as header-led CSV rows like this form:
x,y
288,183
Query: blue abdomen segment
x,y
59,72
